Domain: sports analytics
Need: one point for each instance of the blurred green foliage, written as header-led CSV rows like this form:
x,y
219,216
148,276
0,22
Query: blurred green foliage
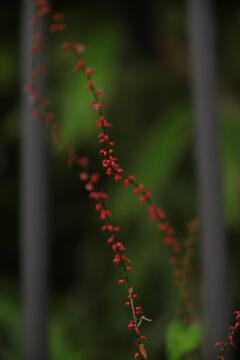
x,y
148,99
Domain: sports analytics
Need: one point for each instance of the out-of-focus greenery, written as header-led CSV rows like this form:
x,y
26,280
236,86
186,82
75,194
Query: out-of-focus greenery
x,y
149,102
182,339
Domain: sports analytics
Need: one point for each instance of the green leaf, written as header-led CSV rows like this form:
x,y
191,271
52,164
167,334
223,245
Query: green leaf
x,y
181,339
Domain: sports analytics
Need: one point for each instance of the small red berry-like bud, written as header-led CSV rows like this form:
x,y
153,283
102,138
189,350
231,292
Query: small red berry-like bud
x,y
111,239
131,324
78,47
99,92
90,71
97,105
83,175
117,177
89,186
121,281
90,84
117,259
80,64
95,177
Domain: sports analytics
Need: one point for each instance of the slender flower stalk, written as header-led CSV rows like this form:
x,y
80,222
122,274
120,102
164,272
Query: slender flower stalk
x,y
90,180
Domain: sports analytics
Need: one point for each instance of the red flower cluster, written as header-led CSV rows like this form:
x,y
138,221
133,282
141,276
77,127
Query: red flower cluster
x,y
111,167
90,180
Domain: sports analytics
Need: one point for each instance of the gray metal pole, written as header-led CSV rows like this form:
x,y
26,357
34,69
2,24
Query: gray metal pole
x,y
34,211
213,244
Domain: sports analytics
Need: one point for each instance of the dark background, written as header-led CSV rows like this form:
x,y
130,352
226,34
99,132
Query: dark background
x,y
141,54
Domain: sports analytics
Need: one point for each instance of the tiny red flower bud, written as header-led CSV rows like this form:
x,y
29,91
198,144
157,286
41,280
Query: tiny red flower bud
x,y
97,105
90,84
131,324
111,239
80,64
83,175
117,259
79,48
90,71
99,92
121,281
89,186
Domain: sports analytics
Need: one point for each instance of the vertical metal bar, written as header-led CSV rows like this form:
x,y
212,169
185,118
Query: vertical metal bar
x,y
213,244
34,209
